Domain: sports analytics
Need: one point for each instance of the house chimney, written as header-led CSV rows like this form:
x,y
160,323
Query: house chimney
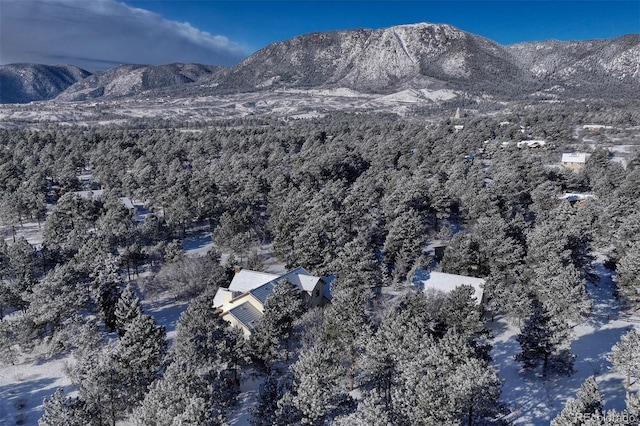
x,y
236,269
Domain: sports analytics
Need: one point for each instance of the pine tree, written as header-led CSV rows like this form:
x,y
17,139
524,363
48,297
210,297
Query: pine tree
x,y
625,356
60,410
102,386
184,396
404,242
127,309
544,340
141,354
269,343
628,276
475,392
196,385
107,288
318,391
264,412
588,405
346,321
204,339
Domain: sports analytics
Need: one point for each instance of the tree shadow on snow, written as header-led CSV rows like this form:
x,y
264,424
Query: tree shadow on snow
x,y
591,349
21,403
166,314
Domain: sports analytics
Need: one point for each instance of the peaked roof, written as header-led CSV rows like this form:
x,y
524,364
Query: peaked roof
x,y
261,293
301,278
246,280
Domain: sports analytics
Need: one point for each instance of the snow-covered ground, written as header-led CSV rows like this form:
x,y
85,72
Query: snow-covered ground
x,y
531,399
23,386
534,400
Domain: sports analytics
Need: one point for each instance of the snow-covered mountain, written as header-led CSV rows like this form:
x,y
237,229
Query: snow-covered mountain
x,y
386,60
22,83
437,56
421,58
130,80
594,64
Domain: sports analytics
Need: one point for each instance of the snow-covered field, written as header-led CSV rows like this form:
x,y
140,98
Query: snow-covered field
x,y
286,103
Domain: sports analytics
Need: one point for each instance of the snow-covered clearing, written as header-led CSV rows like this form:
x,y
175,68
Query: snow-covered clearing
x,y
534,400
23,387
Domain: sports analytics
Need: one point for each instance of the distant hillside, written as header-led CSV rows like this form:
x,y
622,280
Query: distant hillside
x,y
421,58
440,56
583,67
131,80
22,83
386,60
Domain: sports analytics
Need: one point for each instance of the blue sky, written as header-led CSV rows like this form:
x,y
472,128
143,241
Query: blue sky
x,y
255,24
98,34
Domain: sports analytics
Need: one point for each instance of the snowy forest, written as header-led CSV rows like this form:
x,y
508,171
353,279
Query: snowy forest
x,y
354,197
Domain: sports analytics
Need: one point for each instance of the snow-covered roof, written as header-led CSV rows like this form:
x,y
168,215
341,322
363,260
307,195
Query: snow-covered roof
x,y
447,282
98,193
575,157
246,280
576,197
301,278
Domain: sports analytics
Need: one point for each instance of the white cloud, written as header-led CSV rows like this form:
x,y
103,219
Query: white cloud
x,y
98,34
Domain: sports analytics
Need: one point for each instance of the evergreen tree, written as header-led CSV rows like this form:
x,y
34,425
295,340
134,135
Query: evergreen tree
x,y
61,410
127,309
625,356
101,386
204,339
269,343
56,298
264,412
318,392
588,405
184,396
544,341
346,322
141,355
106,289
462,314
404,242
628,276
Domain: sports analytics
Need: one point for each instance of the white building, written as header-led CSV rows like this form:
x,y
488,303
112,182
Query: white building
x,y
242,304
575,161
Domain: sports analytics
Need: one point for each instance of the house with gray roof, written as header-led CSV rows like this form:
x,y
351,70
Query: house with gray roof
x,y
242,303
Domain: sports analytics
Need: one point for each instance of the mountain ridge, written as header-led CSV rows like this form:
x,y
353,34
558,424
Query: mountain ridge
x,y
23,83
421,56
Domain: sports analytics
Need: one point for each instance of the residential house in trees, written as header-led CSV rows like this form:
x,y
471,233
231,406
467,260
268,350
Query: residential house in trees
x,y
446,282
242,304
575,161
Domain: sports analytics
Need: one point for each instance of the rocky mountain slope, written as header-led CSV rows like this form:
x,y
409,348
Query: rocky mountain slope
x,y
22,83
592,65
419,58
387,60
440,56
131,80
